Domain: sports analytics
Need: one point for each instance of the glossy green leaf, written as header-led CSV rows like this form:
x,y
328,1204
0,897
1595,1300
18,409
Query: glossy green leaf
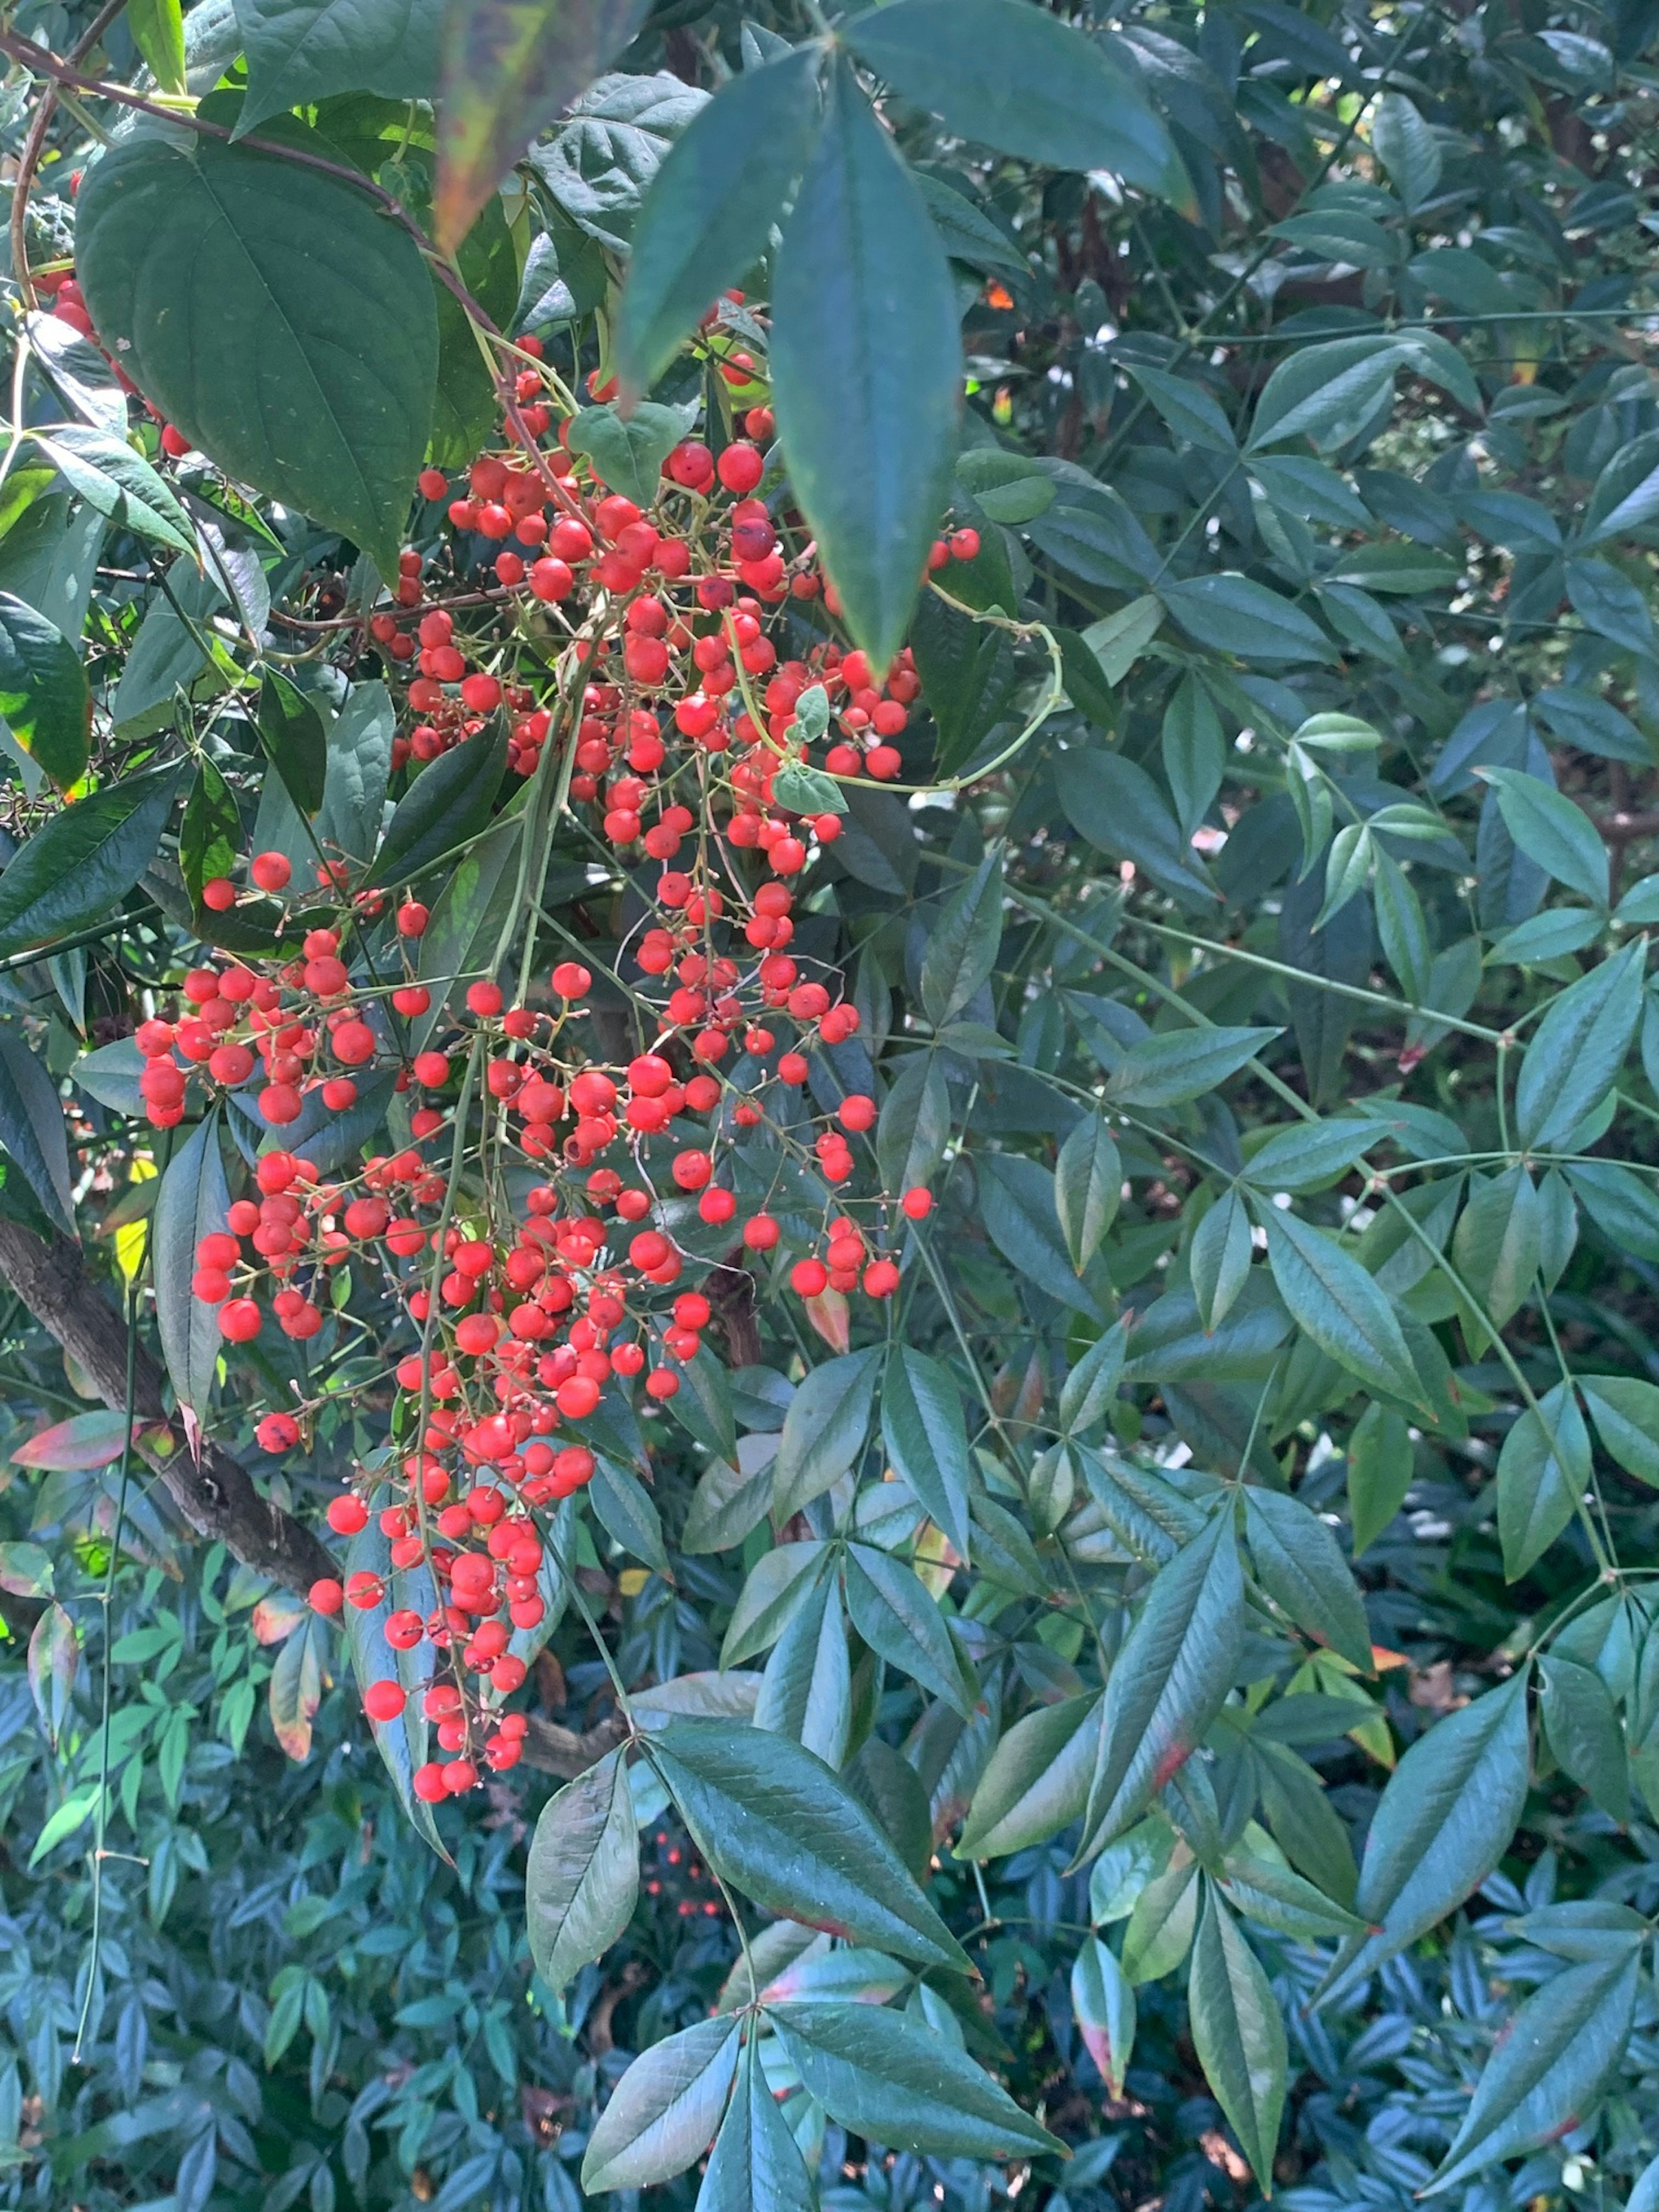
x,y
866,359
448,803
1103,2006
1550,829
1017,1198
77,869
1168,1681
158,32
1218,1261
1238,2035
1339,1306
1237,616
1022,82
1381,1463
1169,1068
664,2113
118,483
1497,1243
1445,1819
43,691
1627,1416
1543,1471
193,1200
1300,1563
782,1830
756,2165
896,1614
806,1687
883,2078
824,1429
1036,1781
1550,2067
583,1872
1582,1727
926,1439
961,951
1088,1186
705,219
291,731
1117,807
1575,1053
302,51
184,253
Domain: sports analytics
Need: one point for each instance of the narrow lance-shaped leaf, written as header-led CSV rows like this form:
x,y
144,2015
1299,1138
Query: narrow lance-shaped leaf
x,y
1168,1680
927,1439
78,868
663,2111
1238,2034
583,1871
707,216
1088,1184
192,1202
756,2165
1103,2005
866,360
1300,1564
1337,1304
1575,1053
962,949
1445,1819
824,1430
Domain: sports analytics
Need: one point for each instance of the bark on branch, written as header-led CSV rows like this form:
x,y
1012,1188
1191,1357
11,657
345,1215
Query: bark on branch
x,y
215,1495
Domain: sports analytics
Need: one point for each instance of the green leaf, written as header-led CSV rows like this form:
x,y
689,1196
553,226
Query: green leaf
x,y
664,2113
914,1123
509,68
1497,1243
116,482
1444,1821
1116,642
1577,1050
1218,1261
583,1872
447,805
625,1510
867,359
901,2086
1406,148
775,1823
756,2165
31,1127
1169,1068
1116,805
707,217
803,790
926,1439
1627,1417
1036,1781
824,1430
1016,1201
1300,1566
777,1585
291,731
186,255
1010,488
1381,1463
78,868
464,931
1103,2006
211,832
43,691
1161,1923
302,51
1168,1680
1582,1727
1550,2065
1088,1187
1550,829
1325,394
806,1690
1189,409
1269,1891
1543,1471
1092,1385
1238,2035
1192,752
1339,1306
961,952
968,673
626,453
896,1614
192,1202
1230,614
1018,79
1311,1154
158,32
54,1656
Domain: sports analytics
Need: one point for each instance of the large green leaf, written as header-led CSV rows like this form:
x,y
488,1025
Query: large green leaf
x,y
1627,1417
1339,1306
897,1615
1168,1680
1036,1781
1245,619
756,2165
448,803
1300,1564
1115,804
1238,2034
1446,1817
1018,79
707,216
1543,1471
824,1430
187,257
583,1872
119,483
1017,1198
927,1439
509,68
43,691
78,868
780,1827
665,2111
32,1126
1550,2066
962,947
1582,1727
883,2078
866,360
302,51
1381,1462
1574,1055
192,1203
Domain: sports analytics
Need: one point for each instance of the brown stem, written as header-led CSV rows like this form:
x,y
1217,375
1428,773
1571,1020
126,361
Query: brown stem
x,y
214,1494
34,144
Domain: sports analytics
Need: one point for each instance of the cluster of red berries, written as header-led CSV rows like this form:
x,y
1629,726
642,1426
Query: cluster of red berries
x,y
695,744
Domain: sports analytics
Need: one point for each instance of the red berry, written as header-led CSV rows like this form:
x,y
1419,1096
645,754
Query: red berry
x,y
384,1701
272,872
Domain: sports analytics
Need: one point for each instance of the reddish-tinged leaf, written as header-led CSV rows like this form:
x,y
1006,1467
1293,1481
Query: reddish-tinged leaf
x,y
86,1440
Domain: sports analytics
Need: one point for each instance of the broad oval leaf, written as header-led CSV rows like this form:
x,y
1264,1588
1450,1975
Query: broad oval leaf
x,y
665,2111
302,51
43,691
824,1430
186,258
81,865
583,1872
